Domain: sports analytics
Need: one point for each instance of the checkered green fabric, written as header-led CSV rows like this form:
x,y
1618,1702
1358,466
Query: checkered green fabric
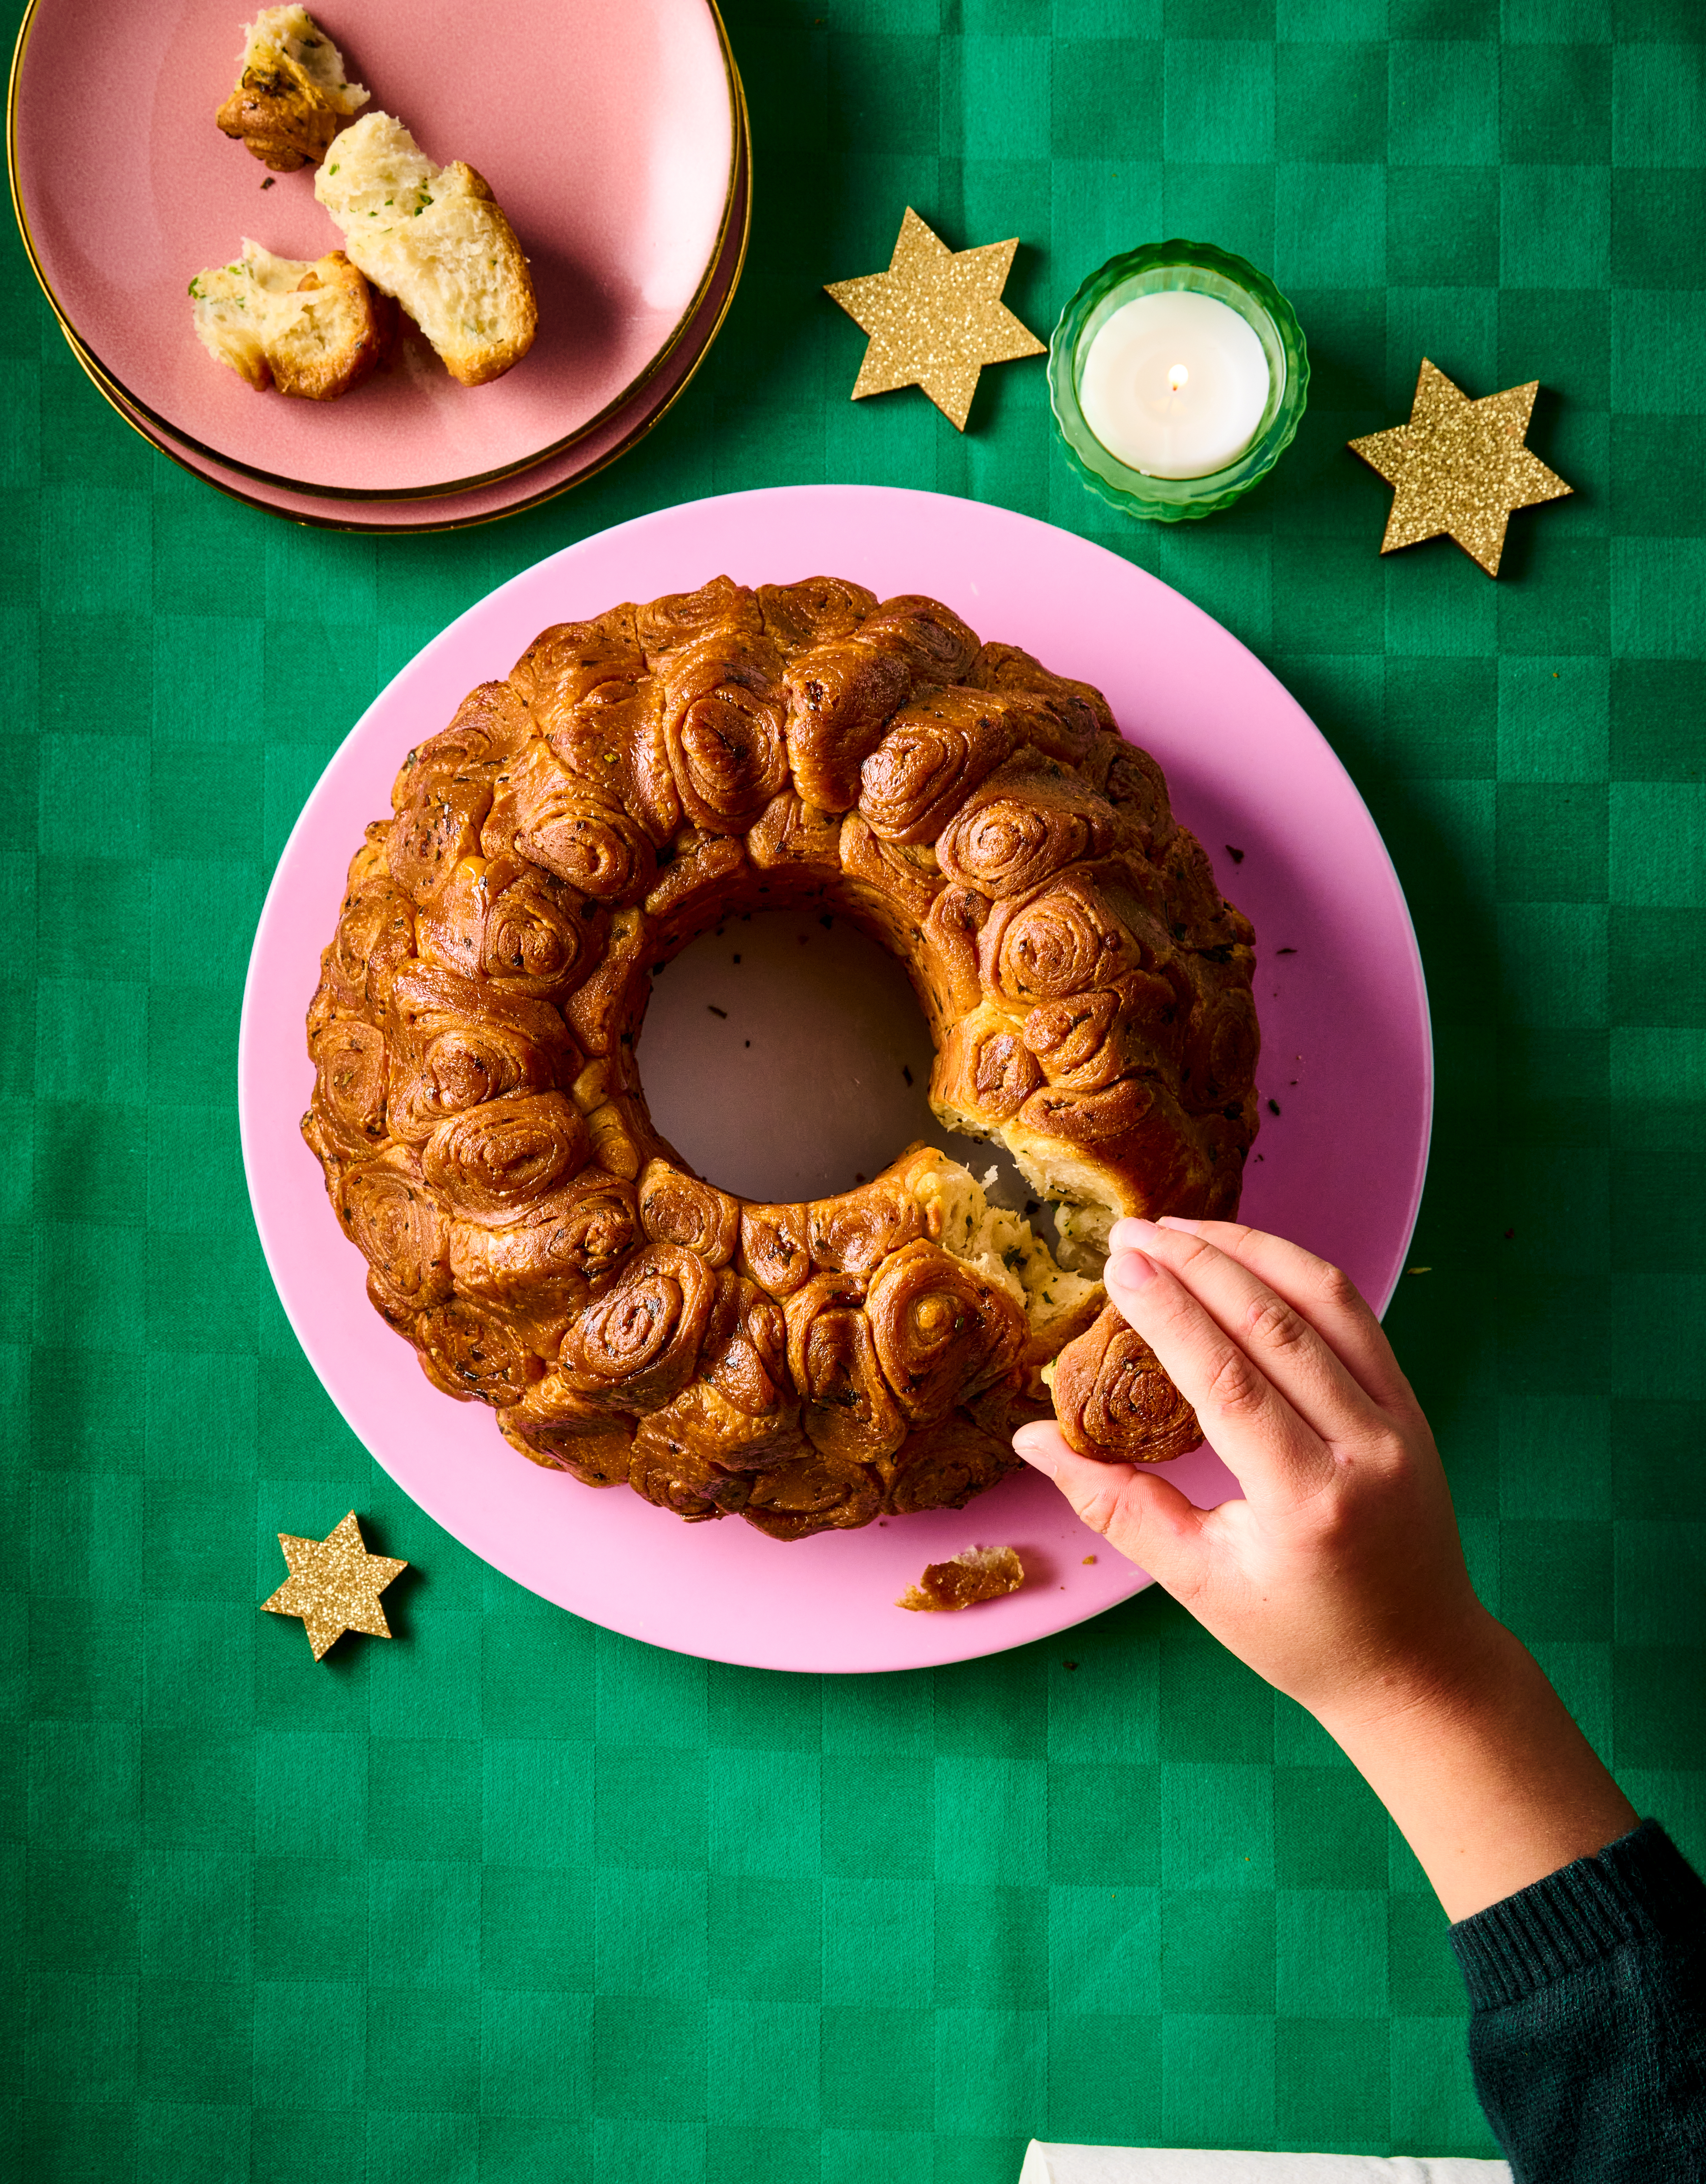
x,y
516,1899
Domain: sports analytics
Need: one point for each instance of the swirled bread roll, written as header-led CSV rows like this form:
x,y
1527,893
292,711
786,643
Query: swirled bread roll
x,y
941,1332
554,1426
399,1225
776,1246
816,1492
455,1044
493,1161
663,625
702,1421
942,1465
745,1354
470,1354
636,1343
578,831
1074,715
350,1064
723,720
480,1119
666,1470
1114,1401
596,1458
933,641
857,1231
539,1269
798,615
840,697
935,753
848,1408
1024,823
679,1209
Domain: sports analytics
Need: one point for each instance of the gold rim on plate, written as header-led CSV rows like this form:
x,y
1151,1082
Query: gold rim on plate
x,y
135,411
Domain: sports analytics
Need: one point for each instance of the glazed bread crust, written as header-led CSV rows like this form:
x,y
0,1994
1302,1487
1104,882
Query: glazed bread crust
x,y
291,97
642,776
314,329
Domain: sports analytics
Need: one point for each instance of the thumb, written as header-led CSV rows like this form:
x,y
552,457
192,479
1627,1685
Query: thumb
x,y
1145,1518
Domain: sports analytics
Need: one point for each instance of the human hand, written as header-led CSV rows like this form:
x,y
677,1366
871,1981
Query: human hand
x,y
1340,1576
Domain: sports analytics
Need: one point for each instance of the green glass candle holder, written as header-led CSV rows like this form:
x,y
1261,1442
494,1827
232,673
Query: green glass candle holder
x,y
1210,272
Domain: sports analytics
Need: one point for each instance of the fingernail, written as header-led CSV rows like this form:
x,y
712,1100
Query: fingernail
x,y
1178,1221
1131,1234
1128,1270
1032,1443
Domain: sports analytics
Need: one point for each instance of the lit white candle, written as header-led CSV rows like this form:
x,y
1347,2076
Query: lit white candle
x,y
1174,384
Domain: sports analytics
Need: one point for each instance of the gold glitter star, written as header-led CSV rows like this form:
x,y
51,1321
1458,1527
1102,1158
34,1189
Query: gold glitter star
x,y
1460,467
935,318
334,1585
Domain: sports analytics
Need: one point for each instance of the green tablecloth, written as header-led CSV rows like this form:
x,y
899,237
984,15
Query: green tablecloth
x,y
513,1899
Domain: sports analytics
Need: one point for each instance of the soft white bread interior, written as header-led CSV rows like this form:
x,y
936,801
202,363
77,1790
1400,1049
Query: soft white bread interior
x,y
959,1216
436,239
291,97
312,329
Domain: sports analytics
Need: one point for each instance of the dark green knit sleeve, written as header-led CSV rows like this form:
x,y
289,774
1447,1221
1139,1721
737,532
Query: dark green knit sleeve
x,y
1588,2037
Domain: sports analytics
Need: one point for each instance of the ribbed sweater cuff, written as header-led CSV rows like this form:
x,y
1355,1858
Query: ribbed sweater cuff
x,y
1640,1888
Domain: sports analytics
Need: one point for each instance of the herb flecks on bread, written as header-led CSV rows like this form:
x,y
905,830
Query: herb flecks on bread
x,y
436,239
291,97
313,329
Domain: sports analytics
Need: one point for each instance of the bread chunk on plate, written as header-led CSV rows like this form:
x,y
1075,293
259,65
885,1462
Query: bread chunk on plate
x,y
291,97
974,1575
314,329
436,239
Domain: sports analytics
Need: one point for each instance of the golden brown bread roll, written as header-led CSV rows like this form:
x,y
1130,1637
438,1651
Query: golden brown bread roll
x,y
936,750
942,1465
1113,1400
640,778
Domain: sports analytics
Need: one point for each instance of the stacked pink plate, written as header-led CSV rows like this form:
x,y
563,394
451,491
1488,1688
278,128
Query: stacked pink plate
x,y
613,132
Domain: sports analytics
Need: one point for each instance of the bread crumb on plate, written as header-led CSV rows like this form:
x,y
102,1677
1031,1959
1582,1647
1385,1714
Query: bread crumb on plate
x,y
291,97
977,1574
309,328
436,239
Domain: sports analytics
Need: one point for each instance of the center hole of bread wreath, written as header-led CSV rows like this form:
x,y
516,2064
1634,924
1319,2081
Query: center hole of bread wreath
x,y
785,1057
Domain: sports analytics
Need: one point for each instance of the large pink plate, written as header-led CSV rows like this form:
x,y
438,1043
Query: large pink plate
x,y
1346,1056
606,128
592,452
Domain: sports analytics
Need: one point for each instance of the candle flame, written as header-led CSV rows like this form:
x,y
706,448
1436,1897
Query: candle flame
x,y
1177,377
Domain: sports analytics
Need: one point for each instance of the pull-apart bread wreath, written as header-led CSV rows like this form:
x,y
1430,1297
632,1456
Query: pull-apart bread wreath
x,y
645,776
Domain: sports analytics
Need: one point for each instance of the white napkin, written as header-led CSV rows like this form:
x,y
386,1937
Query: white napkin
x,y
1161,2165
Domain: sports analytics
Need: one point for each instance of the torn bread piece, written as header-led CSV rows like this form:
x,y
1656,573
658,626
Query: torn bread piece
x,y
975,1575
312,328
291,97
436,239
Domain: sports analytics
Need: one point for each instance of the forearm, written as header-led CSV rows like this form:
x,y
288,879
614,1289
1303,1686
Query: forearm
x,y
1589,2033
1490,1781
1338,1575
